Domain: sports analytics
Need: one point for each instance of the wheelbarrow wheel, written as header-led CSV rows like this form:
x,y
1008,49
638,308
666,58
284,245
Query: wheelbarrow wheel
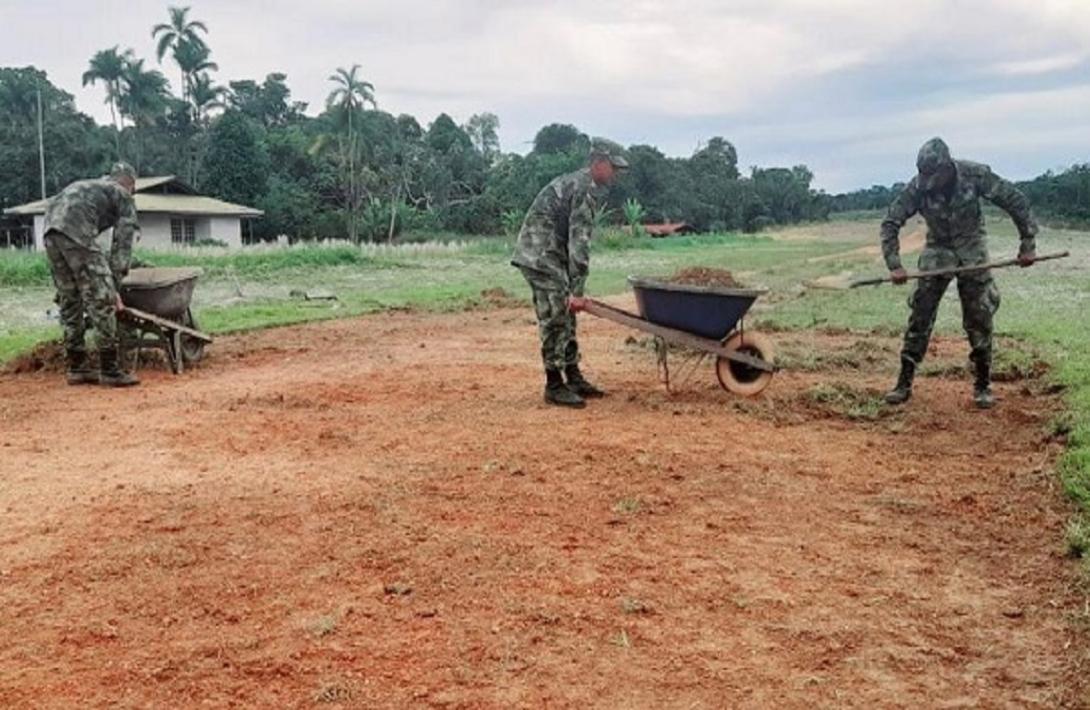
x,y
192,349
738,377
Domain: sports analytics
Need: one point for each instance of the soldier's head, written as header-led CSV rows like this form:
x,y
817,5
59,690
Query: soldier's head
x,y
606,158
124,175
935,165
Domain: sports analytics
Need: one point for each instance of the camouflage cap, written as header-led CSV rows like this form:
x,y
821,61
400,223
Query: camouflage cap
x,y
933,155
604,148
123,170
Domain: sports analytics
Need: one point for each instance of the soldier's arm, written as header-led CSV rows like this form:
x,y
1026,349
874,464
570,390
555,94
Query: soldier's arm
x,y
1006,196
580,227
125,231
900,210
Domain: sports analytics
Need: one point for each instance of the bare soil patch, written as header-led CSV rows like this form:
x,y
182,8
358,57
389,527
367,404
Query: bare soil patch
x,y
381,512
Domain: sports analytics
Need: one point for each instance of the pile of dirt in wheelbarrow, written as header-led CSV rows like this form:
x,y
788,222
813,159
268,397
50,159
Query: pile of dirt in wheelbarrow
x,y
45,357
703,276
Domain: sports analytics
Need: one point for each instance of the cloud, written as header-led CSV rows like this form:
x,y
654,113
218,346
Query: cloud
x,y
1042,65
846,86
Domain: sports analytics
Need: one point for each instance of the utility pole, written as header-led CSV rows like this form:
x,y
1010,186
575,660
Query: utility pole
x,y
41,143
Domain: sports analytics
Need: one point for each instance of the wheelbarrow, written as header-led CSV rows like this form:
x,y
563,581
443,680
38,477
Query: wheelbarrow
x,y
706,320
158,315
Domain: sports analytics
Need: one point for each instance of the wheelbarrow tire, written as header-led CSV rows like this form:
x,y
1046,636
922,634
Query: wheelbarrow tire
x,y
739,378
192,349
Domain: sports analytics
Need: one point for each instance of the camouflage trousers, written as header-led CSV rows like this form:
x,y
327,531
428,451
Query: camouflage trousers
x,y
979,303
85,288
556,325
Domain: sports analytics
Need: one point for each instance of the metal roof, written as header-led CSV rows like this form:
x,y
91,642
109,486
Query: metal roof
x,y
189,204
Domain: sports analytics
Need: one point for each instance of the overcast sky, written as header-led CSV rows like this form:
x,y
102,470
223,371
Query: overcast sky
x,y
849,87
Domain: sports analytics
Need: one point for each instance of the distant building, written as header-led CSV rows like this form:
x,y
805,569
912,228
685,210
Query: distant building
x,y
171,214
668,229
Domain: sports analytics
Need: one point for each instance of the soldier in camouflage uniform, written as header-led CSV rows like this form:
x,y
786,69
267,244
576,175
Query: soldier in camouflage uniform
x,y
553,253
947,193
87,280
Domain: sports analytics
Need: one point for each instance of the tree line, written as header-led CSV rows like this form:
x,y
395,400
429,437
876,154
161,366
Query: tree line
x,y
1062,197
356,171
353,170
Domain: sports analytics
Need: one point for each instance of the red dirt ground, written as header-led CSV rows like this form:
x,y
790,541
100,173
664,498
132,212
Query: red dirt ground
x,y
381,512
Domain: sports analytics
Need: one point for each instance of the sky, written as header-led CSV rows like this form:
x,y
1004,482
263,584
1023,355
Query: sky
x,y
850,88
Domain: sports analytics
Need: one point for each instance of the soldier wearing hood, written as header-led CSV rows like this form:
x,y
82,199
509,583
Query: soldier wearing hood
x,y
947,193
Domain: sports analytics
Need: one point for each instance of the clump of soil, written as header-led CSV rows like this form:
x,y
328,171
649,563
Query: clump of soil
x,y
499,298
702,276
47,357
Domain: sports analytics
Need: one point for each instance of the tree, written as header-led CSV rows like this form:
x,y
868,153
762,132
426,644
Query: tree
x,y
144,98
108,66
483,130
204,95
236,167
351,95
181,36
268,103
195,62
75,147
561,138
634,215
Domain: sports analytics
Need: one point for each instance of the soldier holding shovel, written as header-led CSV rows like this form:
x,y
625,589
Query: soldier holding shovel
x,y
947,193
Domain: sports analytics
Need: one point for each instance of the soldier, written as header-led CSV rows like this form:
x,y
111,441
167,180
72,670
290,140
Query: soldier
x,y
553,252
947,193
86,280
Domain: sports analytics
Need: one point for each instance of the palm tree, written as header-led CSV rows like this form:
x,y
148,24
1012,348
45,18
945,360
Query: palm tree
x,y
175,35
205,96
143,98
194,61
108,66
351,95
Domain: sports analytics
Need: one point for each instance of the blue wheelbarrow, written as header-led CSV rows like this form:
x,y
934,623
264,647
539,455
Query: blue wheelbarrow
x,y
706,321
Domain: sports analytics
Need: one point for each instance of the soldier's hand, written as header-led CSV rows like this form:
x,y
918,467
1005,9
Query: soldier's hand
x,y
898,276
1027,259
577,303
118,304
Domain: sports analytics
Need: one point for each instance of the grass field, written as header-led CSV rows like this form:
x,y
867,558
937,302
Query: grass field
x,y
1044,307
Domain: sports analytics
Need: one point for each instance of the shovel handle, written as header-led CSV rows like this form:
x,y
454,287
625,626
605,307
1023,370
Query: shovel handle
x,y
959,270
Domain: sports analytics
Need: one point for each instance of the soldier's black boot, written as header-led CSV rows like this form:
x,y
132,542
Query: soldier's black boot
x,y
982,387
902,391
112,375
79,368
579,384
556,392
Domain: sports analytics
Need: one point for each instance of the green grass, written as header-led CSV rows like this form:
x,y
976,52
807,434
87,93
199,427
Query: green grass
x,y
16,342
847,401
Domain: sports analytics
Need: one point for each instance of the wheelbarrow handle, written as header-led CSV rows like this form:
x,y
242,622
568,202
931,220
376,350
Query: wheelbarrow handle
x,y
1002,264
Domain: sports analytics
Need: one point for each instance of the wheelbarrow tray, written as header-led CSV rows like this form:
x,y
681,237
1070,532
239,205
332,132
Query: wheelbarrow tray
x,y
707,311
164,292
157,309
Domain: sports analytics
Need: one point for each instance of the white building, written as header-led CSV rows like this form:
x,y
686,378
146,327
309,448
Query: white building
x,y
171,214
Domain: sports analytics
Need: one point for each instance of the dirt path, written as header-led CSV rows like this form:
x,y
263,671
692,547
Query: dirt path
x,y
381,513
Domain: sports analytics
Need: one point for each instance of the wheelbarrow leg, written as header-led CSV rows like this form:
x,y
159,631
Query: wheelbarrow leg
x,y
174,350
662,352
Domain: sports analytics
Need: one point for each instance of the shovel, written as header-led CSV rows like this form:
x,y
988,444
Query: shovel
x,y
958,270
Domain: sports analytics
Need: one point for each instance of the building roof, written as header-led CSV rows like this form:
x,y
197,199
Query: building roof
x,y
164,194
667,228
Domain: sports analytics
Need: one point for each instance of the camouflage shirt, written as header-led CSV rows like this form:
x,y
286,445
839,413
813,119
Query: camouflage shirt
x,y
85,209
954,218
555,237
